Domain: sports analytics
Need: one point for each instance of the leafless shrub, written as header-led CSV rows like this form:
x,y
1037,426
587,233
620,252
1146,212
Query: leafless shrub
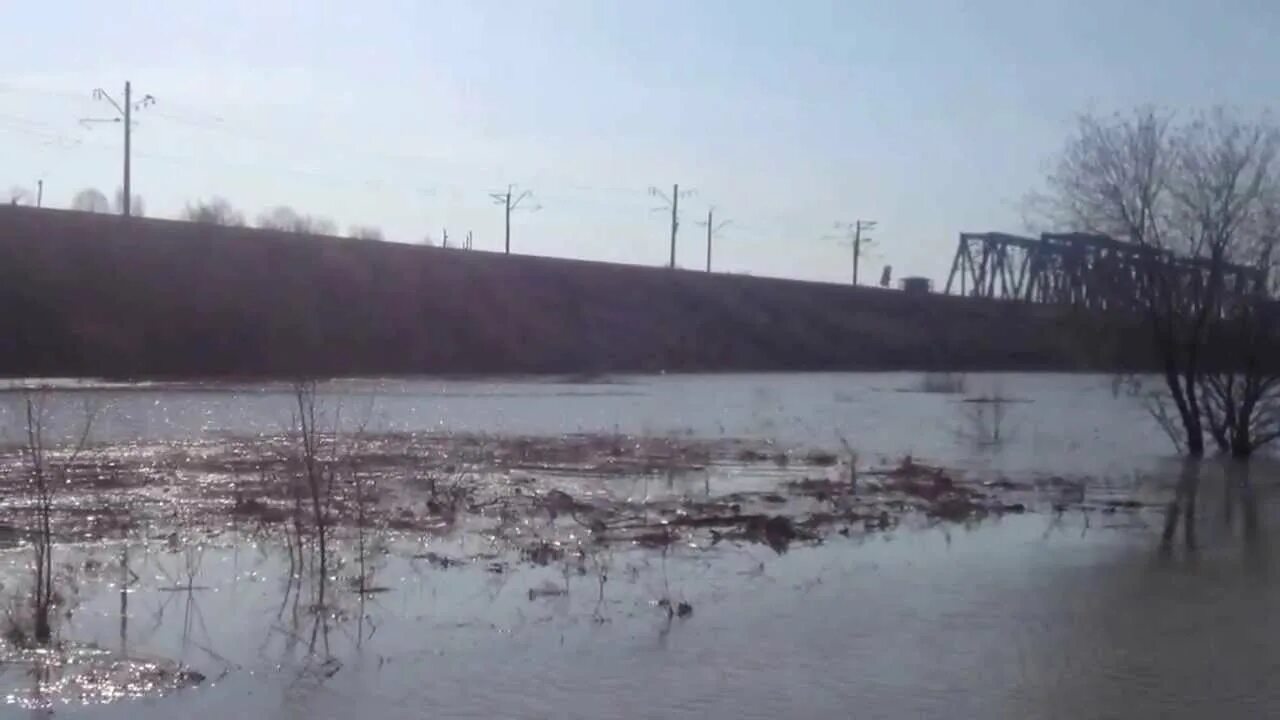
x,y
289,220
316,484
327,462
214,211
46,468
365,232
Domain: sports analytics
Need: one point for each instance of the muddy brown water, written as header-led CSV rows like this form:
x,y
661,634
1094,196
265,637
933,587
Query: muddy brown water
x,y
1045,614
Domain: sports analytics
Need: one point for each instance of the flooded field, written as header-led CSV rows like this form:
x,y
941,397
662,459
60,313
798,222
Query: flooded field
x,y
1053,422
725,546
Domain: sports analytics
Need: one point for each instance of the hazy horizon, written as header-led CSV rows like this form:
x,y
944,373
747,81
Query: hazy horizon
x,y
931,118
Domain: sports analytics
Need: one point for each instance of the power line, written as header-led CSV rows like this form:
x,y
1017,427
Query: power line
x,y
200,121
64,142
855,237
712,229
36,129
672,204
600,201
7,88
220,124
125,116
509,204
751,233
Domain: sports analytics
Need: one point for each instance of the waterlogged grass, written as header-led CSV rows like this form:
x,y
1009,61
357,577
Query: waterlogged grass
x,y
564,520
520,491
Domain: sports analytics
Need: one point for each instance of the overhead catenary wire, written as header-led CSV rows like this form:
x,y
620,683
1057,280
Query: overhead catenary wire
x,y
510,203
673,204
451,183
713,228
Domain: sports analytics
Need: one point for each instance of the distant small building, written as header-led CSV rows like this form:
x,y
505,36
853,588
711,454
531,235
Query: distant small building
x,y
916,285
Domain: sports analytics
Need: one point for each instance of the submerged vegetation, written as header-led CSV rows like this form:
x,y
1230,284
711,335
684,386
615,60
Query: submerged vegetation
x,y
44,469
948,383
343,512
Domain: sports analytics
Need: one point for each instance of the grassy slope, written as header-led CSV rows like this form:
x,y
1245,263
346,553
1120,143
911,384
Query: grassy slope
x,y
85,294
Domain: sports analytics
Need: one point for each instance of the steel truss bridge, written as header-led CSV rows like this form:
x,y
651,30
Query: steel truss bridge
x,y
1081,269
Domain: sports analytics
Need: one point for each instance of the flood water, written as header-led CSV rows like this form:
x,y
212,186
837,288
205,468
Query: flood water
x,y
1040,615
1055,423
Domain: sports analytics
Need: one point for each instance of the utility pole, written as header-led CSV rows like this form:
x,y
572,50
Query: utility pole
x,y
672,204
125,116
40,193
712,229
127,201
858,227
444,238
509,204
675,220
855,230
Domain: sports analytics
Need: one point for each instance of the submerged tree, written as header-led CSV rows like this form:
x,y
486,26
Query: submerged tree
x,y
316,483
1242,389
1196,198
214,211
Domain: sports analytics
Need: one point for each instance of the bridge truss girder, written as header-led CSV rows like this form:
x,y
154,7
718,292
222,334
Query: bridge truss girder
x,y
1079,269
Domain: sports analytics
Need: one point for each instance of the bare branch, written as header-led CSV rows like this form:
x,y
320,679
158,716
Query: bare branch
x,y
1201,197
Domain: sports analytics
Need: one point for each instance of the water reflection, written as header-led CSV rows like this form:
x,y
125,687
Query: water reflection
x,y
1087,611
1061,414
1193,503
1085,624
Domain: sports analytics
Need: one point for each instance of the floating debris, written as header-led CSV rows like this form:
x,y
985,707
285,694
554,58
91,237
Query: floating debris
x,y
538,496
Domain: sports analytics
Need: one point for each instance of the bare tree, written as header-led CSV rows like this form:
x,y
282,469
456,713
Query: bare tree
x,y
365,232
283,217
214,211
1190,195
19,195
136,207
1242,386
90,200
1231,195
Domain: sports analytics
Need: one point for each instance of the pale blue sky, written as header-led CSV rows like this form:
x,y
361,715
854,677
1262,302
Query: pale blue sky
x,y
930,117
